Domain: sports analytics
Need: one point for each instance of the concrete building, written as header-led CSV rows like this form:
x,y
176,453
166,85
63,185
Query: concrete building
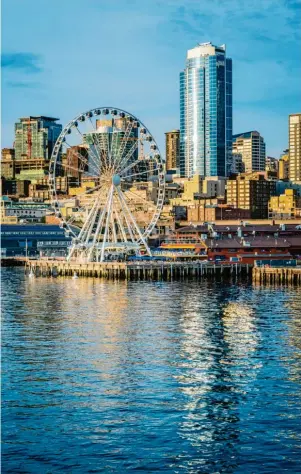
x,y
206,112
14,187
8,163
295,147
283,166
251,191
172,150
271,164
24,211
212,213
197,188
285,206
251,147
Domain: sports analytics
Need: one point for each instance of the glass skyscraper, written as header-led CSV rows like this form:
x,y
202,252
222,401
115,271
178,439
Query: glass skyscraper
x,y
206,112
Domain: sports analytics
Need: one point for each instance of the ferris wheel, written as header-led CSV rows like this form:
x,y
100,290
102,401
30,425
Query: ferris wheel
x,y
107,184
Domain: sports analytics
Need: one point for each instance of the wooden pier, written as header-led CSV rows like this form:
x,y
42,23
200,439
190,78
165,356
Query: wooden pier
x,y
277,275
136,271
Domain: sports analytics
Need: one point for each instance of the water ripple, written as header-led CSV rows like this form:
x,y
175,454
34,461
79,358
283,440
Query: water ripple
x,y
191,377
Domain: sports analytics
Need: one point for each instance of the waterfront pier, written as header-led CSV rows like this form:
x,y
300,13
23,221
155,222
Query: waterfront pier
x,y
136,271
276,275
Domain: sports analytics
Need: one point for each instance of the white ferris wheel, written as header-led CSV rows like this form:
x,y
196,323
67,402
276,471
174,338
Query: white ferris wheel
x,y
107,184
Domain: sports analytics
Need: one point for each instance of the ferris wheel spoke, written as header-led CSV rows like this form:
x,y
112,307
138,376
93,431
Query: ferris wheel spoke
x,y
114,234
122,230
90,218
95,135
142,199
132,165
91,153
139,174
141,238
104,148
124,141
109,210
84,161
128,156
99,226
128,225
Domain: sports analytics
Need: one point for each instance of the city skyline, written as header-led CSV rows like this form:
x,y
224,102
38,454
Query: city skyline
x,y
64,73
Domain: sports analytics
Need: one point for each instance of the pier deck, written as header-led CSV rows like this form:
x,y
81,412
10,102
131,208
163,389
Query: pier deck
x,y
135,271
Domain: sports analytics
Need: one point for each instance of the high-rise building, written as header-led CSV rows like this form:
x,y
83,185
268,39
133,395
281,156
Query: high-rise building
x,y
251,147
295,147
35,137
283,166
172,143
251,191
206,112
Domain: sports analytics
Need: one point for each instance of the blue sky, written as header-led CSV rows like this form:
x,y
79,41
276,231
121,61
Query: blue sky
x,y
61,57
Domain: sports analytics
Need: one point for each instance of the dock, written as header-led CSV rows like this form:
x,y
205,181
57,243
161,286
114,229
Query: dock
x,y
276,275
136,271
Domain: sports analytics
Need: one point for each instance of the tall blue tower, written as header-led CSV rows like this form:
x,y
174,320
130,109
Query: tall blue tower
x,y
206,112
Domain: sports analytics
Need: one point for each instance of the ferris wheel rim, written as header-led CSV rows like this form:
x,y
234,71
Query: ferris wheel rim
x,y
158,206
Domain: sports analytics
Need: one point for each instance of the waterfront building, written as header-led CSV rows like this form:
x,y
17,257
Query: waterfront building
x,y
8,163
295,147
283,166
172,150
33,240
244,242
251,191
285,206
206,112
251,147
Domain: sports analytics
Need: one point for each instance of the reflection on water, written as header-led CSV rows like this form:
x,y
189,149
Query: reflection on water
x,y
174,377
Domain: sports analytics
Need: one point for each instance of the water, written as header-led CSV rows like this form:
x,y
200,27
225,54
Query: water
x,y
176,377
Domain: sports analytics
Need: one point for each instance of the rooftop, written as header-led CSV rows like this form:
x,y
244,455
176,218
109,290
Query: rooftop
x,y
41,117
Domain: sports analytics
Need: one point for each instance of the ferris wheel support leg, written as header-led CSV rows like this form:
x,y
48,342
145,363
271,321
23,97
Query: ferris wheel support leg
x,y
135,224
120,226
126,219
107,225
99,224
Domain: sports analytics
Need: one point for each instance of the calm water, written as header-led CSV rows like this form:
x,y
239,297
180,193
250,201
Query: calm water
x,y
188,377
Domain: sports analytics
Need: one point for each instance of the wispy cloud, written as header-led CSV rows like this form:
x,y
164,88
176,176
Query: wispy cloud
x,y
29,63
21,84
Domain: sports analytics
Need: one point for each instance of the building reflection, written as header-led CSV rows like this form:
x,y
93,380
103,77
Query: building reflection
x,y
216,367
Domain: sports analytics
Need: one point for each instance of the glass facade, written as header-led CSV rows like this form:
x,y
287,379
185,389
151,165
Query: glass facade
x,y
206,112
35,137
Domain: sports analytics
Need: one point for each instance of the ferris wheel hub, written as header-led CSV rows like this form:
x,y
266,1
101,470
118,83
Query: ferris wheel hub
x,y
116,180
